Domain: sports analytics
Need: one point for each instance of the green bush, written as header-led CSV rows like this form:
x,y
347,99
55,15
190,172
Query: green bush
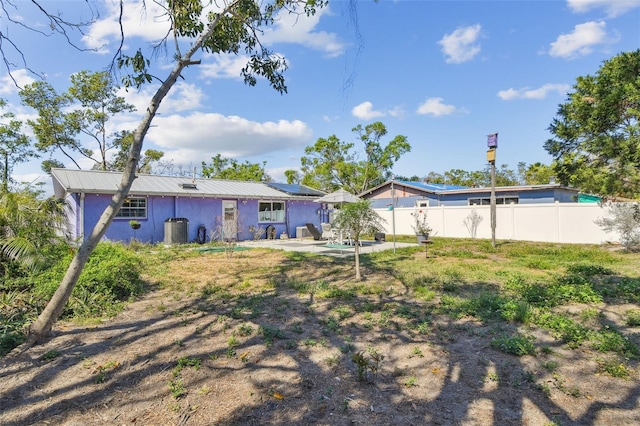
x,y
111,275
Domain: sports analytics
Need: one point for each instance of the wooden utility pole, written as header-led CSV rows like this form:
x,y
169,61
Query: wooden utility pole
x,y
492,144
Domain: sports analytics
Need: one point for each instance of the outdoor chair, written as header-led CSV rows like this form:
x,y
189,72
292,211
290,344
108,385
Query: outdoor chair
x,y
350,241
315,232
328,233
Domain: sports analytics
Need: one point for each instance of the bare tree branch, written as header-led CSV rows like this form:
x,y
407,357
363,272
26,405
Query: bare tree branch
x,y
56,24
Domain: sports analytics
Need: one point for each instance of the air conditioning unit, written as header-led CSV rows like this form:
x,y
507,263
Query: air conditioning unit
x,y
422,203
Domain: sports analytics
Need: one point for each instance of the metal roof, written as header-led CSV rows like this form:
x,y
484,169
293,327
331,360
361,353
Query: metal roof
x,y
444,189
100,182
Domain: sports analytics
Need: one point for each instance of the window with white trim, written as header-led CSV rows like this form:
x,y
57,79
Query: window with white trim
x,y
271,211
133,207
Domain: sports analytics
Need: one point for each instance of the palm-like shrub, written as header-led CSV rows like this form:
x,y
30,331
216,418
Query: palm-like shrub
x,y
29,226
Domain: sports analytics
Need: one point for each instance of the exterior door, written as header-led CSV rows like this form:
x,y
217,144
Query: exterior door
x,y
229,220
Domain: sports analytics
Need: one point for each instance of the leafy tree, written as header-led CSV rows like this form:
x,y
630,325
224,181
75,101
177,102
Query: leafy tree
x,y
331,164
293,176
525,174
51,163
225,168
15,147
596,143
537,174
359,219
414,178
122,141
480,178
233,28
94,101
434,177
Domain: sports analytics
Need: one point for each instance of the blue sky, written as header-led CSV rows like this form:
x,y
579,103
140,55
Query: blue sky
x,y
443,73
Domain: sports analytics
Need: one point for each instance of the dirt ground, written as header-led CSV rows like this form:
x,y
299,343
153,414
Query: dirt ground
x,y
202,357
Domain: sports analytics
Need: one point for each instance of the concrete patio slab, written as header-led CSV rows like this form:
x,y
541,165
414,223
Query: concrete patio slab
x,y
323,247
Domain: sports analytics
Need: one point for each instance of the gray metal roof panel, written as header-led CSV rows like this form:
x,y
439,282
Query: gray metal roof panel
x,y
91,181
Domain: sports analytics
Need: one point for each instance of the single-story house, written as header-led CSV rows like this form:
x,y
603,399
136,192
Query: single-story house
x,y
420,194
186,207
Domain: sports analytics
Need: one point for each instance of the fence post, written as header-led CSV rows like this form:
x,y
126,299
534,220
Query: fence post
x,y
556,218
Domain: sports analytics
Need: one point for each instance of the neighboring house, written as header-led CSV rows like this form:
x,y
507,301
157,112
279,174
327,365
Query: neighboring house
x,y
161,202
410,194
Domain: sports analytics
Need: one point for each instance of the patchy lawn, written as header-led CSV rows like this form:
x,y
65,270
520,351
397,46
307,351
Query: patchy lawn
x,y
526,333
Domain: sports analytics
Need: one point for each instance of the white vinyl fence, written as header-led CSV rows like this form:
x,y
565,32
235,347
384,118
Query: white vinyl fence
x,y
556,222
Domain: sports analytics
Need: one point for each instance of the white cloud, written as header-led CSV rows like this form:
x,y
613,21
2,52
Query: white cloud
x,y
42,180
397,112
435,107
277,173
581,41
528,93
139,19
300,29
200,136
182,97
613,8
223,66
365,111
460,46
8,85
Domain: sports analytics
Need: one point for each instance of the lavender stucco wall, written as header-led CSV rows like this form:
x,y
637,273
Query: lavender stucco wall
x,y
198,211
301,212
297,214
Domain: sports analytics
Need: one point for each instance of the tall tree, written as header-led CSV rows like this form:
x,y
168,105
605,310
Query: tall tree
x,y
232,28
93,101
331,164
15,146
226,168
122,141
480,178
537,174
293,176
596,133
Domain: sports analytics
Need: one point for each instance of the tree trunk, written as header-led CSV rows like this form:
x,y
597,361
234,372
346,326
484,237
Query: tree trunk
x,y
42,326
358,276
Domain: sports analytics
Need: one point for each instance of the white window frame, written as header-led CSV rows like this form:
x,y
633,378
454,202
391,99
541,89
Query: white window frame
x,y
275,216
129,211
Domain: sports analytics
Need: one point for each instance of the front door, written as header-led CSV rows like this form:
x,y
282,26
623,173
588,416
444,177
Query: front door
x,y
230,220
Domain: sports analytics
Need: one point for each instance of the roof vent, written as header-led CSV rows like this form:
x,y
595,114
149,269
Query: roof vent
x,y
188,186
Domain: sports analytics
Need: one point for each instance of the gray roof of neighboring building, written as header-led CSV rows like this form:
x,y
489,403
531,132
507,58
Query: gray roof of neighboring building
x,y
100,182
443,189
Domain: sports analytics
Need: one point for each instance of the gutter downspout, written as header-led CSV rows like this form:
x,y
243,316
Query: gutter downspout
x,y
81,215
